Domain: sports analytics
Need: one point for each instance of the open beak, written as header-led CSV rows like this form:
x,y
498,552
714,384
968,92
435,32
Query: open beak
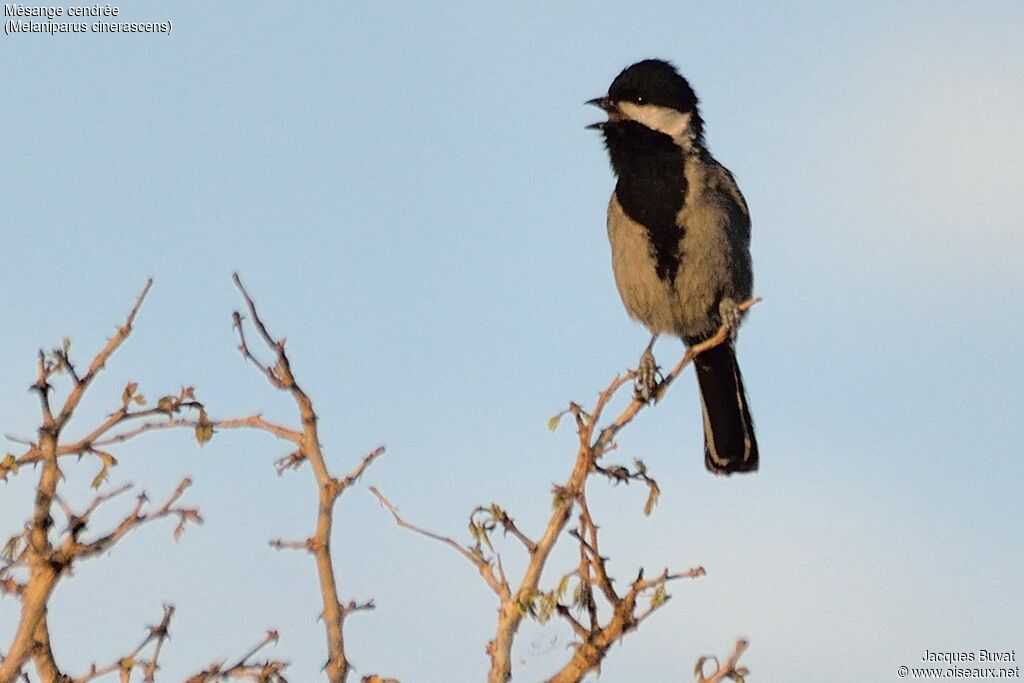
x,y
607,105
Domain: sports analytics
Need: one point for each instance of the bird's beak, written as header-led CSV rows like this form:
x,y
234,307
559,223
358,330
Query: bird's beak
x,y
607,105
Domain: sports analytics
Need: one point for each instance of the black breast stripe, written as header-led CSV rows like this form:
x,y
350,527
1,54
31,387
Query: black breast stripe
x,y
651,186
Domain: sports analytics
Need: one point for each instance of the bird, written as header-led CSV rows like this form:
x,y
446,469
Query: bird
x,y
679,230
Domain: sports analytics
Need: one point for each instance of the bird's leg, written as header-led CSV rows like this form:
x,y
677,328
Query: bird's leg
x,y
645,386
731,316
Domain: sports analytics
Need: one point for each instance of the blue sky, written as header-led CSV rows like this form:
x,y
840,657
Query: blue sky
x,y
412,198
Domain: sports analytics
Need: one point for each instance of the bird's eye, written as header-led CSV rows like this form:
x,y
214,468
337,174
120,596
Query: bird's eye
x,y
639,99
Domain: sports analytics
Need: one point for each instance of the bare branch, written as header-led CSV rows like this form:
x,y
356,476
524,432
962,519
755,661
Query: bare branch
x,y
268,671
329,488
727,669
10,586
509,525
516,603
243,347
42,654
161,632
277,346
251,422
101,358
45,560
76,523
607,435
354,475
124,665
478,561
34,550
577,627
71,549
281,544
43,388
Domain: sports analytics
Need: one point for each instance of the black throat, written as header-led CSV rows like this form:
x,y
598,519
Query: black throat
x,y
651,186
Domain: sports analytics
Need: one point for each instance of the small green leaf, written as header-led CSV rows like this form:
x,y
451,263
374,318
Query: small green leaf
x,y
524,602
9,465
204,429
167,404
545,607
560,497
100,477
579,595
563,586
128,394
652,497
204,432
659,597
555,421
10,550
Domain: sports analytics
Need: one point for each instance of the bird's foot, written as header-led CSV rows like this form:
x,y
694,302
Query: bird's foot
x,y
731,316
645,385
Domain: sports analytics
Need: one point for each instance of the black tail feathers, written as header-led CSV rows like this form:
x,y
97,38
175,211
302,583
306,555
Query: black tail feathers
x,y
729,443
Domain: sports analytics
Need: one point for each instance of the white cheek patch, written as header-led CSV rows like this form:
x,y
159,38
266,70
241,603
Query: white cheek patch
x,y
662,119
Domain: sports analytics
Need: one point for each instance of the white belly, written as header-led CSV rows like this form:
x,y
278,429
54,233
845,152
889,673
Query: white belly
x,y
686,307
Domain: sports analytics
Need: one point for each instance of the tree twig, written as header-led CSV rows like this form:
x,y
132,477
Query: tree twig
x,y
728,668
281,376
483,566
516,603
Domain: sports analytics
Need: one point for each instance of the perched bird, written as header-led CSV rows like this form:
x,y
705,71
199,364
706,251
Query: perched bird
x,y
680,240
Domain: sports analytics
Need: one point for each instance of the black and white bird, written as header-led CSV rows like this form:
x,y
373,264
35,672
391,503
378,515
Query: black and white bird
x,y
680,240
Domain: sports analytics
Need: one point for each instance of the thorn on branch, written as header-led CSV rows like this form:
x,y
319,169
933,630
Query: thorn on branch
x,y
292,461
281,544
354,606
268,671
363,465
156,634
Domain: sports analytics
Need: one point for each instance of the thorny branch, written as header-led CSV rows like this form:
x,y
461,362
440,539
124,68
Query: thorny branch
x,y
35,552
486,568
33,562
279,373
73,549
244,669
157,634
45,561
593,640
84,446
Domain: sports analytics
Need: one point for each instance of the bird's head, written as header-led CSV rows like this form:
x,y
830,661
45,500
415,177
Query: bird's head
x,y
653,94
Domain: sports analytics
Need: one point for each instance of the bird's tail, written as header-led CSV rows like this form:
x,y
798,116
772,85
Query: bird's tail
x,y
729,444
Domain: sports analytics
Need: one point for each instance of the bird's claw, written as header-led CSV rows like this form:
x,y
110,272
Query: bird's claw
x,y
731,316
645,385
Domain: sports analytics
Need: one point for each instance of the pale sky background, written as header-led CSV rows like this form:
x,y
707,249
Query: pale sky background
x,y
412,198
